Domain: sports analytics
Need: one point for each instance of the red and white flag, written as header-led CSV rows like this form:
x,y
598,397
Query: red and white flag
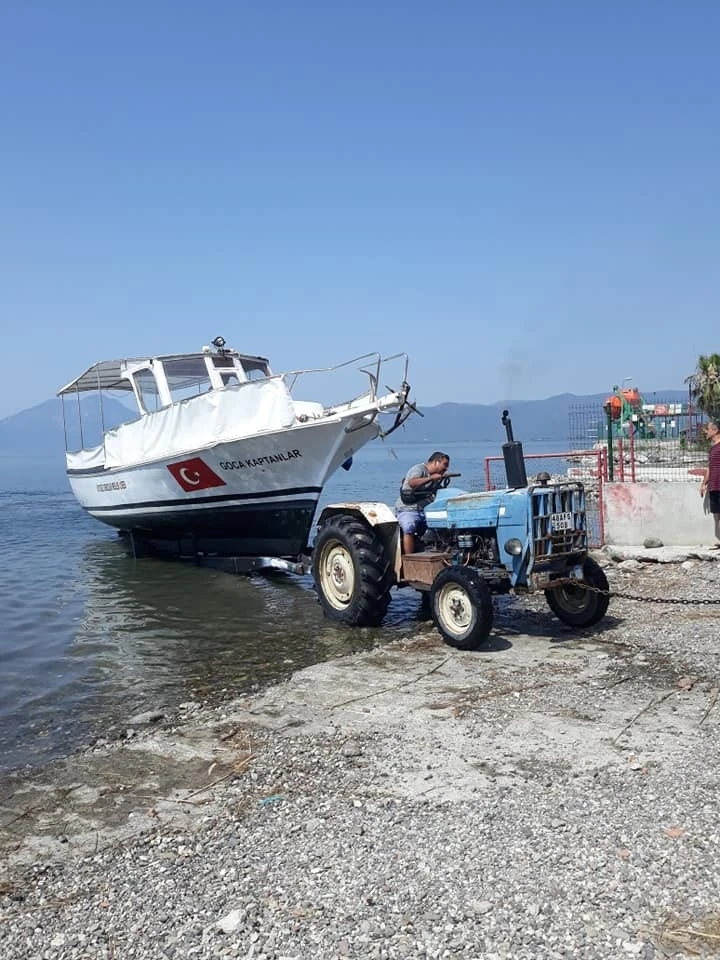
x,y
195,474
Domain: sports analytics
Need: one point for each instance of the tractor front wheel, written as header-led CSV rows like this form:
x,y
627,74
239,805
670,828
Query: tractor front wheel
x,y
352,573
462,607
579,604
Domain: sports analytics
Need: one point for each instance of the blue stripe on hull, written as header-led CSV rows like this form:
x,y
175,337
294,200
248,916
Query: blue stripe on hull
x,y
213,498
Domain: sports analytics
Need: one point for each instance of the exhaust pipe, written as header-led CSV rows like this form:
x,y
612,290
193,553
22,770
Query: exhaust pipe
x,y
515,474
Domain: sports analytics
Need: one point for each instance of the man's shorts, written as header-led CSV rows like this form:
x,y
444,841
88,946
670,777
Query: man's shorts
x,y
411,521
714,498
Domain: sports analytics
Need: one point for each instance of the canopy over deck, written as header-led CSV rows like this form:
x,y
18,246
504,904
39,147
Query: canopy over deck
x,y
104,375
112,374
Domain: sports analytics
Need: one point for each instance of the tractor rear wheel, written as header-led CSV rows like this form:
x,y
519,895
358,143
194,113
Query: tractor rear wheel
x,y
352,573
579,605
462,607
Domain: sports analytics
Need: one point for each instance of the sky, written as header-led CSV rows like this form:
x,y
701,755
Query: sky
x,y
523,196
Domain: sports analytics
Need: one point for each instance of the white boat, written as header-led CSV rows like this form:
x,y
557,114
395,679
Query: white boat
x,y
218,456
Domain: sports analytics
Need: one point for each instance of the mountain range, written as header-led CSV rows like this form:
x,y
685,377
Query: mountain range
x,y
562,417
546,419
38,431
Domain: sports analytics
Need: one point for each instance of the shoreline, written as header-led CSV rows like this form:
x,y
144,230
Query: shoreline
x,y
555,791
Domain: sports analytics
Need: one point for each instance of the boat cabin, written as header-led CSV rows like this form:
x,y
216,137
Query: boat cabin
x,y
157,382
163,403
154,408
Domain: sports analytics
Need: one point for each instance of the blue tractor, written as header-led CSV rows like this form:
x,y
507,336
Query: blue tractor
x,y
525,538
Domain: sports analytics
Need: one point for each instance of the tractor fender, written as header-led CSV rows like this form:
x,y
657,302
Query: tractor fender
x,y
377,515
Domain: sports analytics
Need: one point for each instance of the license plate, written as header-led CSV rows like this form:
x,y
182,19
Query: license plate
x,y
561,521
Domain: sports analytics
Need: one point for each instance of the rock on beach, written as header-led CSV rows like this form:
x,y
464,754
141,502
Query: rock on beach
x,y
554,795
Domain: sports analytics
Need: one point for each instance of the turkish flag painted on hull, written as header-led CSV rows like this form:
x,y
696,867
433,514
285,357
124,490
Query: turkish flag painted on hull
x,y
195,474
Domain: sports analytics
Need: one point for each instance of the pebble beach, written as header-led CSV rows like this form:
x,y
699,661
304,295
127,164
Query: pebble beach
x,y
551,796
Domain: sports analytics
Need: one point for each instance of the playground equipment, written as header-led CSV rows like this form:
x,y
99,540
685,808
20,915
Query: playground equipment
x,y
629,413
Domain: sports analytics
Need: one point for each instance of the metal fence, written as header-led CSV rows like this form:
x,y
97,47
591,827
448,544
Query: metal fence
x,y
659,441
624,441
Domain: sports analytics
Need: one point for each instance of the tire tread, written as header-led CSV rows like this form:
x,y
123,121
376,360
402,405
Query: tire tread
x,y
373,572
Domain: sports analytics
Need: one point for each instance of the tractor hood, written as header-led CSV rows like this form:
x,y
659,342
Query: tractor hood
x,y
456,508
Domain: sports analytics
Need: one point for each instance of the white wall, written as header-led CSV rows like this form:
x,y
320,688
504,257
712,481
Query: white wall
x,y
673,512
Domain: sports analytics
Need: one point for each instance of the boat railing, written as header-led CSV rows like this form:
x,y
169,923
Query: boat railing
x,y
370,364
405,361
293,376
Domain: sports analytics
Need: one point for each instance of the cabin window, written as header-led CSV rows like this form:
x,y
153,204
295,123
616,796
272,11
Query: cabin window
x,y
186,377
255,370
223,363
147,390
227,371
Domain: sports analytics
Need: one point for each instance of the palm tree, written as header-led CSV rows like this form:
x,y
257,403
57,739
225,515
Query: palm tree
x,y
705,385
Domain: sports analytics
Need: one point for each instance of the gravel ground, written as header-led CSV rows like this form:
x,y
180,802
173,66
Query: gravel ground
x,y
554,795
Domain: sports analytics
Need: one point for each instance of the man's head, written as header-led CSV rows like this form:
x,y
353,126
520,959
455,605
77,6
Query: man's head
x,y
712,429
438,462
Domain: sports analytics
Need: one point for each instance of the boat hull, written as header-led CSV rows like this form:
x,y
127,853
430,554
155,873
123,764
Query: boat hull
x,y
251,497
227,531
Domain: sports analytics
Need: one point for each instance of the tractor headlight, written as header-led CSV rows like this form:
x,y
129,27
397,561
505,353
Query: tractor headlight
x,y
513,547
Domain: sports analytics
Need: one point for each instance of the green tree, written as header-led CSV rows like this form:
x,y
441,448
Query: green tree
x,y
705,385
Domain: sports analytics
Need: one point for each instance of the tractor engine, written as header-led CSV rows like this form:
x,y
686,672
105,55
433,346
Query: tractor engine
x,y
474,548
540,528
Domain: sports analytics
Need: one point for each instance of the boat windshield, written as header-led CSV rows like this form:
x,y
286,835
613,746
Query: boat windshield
x,y
186,377
227,370
255,369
